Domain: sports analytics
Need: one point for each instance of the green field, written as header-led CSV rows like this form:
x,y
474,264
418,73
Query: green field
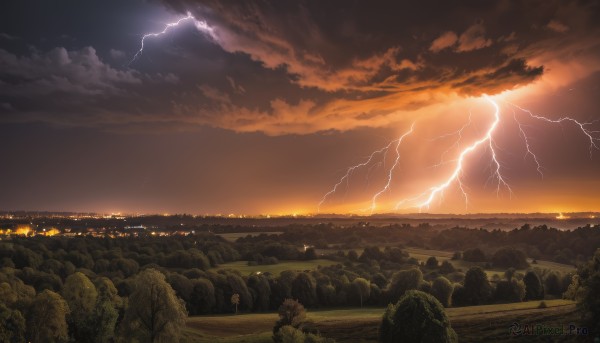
x,y
233,236
275,269
423,254
356,325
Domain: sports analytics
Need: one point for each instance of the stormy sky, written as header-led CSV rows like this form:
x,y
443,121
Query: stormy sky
x,y
263,106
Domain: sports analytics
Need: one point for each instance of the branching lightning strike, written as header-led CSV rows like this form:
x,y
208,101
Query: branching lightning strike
x,y
383,151
456,173
425,199
391,171
582,126
201,25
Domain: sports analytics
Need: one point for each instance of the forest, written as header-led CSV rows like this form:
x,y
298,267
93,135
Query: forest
x,y
90,289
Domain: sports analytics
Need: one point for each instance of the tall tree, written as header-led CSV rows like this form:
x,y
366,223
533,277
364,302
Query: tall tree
x,y
552,284
154,313
46,321
238,286
102,320
533,286
477,286
304,289
81,295
259,284
202,299
362,288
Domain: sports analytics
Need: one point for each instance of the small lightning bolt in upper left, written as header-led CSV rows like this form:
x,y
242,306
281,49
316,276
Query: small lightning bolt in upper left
x,y
201,25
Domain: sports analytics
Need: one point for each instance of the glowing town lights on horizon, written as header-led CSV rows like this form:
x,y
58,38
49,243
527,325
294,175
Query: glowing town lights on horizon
x,y
200,25
425,199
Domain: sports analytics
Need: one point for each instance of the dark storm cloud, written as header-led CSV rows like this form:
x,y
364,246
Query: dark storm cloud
x,y
298,67
61,72
515,73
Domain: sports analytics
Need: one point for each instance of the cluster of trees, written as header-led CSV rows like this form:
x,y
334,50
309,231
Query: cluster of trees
x,y
86,311
92,289
505,257
540,242
375,277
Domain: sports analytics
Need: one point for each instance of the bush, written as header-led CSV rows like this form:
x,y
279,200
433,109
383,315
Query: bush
x,y
289,334
291,313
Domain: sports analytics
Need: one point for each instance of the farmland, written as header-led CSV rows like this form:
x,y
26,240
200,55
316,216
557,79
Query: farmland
x,y
352,325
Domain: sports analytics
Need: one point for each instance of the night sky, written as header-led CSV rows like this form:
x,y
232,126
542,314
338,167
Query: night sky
x,y
260,107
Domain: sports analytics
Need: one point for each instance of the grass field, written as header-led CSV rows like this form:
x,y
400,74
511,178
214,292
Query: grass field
x,y
360,325
233,236
275,269
423,254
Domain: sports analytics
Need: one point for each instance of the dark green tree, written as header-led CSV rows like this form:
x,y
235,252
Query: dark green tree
x,y
447,267
154,313
304,289
81,295
477,286
202,299
361,288
259,285
510,257
46,320
431,262
12,327
533,286
441,289
101,321
416,317
552,284
238,286
403,281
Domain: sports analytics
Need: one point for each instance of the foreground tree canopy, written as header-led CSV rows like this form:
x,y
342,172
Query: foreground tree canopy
x,y
154,314
417,317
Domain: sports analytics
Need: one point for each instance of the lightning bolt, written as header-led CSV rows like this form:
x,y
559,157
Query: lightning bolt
x,y
590,134
456,173
389,179
200,25
527,145
346,177
458,133
426,198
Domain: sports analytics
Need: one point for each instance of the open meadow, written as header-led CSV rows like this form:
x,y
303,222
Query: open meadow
x,y
275,269
472,323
